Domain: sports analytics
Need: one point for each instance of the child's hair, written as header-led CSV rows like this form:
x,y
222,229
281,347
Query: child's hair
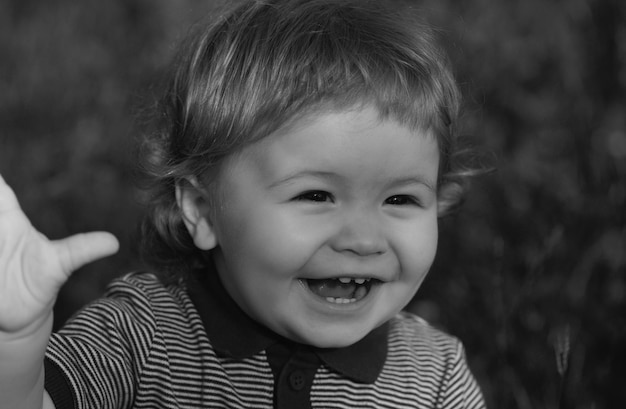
x,y
271,61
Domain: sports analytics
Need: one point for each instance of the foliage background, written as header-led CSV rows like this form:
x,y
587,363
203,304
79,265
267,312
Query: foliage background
x,y
530,274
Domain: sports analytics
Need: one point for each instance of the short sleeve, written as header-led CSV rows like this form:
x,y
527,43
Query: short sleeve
x,y
97,357
460,390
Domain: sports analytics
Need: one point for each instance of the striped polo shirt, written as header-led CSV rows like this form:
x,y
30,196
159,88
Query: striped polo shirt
x,y
147,345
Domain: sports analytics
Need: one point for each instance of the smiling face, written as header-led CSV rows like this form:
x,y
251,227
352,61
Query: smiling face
x,y
326,229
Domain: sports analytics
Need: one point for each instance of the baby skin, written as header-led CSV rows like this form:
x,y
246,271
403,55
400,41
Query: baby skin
x,y
32,270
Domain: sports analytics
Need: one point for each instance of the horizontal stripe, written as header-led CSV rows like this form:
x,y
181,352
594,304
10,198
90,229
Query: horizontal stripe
x,y
144,346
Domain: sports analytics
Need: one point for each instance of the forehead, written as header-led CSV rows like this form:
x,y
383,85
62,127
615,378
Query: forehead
x,y
368,112
345,142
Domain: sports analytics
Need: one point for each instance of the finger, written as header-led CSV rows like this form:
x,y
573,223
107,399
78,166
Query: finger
x,y
80,249
8,200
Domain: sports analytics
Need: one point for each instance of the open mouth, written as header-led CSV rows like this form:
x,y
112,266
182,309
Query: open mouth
x,y
342,290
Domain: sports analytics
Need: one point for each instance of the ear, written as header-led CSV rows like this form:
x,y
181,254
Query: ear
x,y
196,211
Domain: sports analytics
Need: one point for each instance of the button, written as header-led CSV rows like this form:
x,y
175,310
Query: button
x,y
297,380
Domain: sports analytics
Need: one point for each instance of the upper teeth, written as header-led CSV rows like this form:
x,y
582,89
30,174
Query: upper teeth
x,y
347,280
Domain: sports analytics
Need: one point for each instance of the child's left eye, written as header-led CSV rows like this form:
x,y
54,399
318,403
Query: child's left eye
x,y
402,200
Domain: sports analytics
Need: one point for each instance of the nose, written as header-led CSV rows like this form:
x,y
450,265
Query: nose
x,y
360,233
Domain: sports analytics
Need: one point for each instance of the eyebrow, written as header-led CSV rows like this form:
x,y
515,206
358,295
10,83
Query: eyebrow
x,y
301,174
416,180
409,180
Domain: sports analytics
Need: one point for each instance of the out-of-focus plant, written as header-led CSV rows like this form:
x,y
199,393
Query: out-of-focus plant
x,y
538,254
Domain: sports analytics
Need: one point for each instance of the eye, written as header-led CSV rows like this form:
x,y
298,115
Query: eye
x,y
402,200
314,196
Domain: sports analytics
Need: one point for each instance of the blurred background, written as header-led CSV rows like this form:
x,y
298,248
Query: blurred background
x,y
531,273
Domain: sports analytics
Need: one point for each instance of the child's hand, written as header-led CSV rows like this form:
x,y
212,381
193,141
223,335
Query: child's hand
x,y
33,268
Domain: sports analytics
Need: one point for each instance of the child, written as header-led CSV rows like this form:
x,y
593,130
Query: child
x,y
305,152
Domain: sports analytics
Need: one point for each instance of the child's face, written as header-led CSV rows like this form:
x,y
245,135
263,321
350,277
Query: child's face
x,y
327,229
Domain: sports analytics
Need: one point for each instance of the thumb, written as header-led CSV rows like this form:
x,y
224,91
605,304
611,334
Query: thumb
x,y
80,249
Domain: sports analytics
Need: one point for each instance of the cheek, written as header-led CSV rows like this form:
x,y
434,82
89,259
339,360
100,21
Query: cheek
x,y
270,241
417,248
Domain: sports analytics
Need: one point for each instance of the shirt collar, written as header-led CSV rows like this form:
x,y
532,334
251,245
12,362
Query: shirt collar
x,y
233,333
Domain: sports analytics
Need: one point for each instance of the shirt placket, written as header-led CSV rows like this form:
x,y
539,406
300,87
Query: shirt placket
x,y
293,388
